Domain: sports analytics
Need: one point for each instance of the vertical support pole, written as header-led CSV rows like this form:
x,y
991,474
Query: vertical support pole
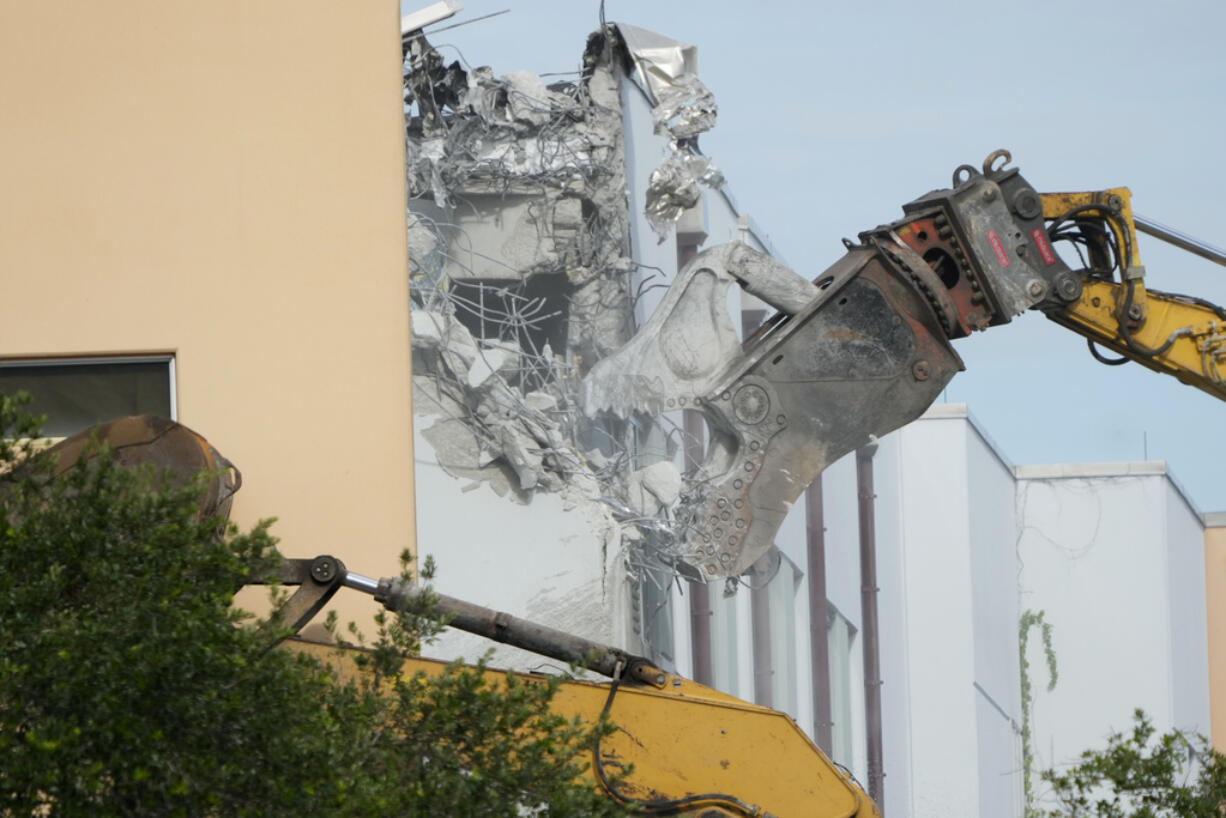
x,y
868,620
700,593
760,615
819,643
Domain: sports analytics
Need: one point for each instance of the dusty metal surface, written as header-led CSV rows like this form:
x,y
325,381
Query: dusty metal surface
x,y
863,356
140,440
852,355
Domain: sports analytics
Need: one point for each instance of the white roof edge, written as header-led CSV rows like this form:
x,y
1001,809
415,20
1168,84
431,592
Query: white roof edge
x,y
959,411
1065,471
1135,468
1213,519
1057,471
429,15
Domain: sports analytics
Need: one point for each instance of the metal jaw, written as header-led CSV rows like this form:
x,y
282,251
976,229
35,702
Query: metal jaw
x,y
853,354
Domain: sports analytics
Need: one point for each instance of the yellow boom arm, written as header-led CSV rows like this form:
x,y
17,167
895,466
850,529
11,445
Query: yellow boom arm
x,y
1177,335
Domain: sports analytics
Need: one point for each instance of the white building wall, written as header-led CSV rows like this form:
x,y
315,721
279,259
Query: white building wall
x,y
549,561
993,537
936,545
896,662
1096,553
1189,659
946,570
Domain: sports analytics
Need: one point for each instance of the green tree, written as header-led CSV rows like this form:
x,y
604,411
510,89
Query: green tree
x,y
1139,775
130,685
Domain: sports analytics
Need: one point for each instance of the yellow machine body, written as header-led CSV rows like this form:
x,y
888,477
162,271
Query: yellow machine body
x,y
685,741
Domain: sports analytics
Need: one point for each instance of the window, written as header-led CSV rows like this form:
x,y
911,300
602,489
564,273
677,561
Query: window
x,y
724,648
841,635
657,604
531,313
781,597
76,393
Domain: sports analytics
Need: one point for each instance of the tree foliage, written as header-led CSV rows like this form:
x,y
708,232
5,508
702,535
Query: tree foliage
x,y
1140,775
130,685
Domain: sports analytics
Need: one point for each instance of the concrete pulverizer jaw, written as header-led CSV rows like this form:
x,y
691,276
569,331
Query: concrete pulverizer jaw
x,y
864,356
855,353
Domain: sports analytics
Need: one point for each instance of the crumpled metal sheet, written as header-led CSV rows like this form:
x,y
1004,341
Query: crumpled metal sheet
x,y
686,109
682,108
668,71
673,188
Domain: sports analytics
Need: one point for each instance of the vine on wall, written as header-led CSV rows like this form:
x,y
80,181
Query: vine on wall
x,y
1028,621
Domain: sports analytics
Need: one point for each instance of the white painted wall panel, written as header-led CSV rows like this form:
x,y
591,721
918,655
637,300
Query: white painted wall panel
x,y
939,613
1093,558
1189,660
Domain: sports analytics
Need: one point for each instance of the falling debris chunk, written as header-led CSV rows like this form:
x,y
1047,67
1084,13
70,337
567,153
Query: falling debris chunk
x,y
673,188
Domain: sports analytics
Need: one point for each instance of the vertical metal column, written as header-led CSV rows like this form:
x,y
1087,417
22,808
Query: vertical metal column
x,y
868,620
760,614
700,592
819,644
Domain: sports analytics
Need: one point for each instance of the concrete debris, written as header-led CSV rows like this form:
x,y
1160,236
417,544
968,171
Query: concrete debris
x,y
688,347
521,273
653,489
532,171
678,355
507,426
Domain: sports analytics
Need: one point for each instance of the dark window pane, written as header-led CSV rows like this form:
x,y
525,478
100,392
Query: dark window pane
x,y
76,396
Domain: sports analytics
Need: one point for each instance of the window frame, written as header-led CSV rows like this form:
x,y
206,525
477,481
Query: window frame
x,y
167,358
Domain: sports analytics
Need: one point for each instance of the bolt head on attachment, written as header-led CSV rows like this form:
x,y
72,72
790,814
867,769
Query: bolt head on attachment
x,y
323,570
921,370
1036,289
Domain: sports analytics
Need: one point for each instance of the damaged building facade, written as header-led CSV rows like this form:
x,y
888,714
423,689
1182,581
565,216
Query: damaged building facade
x,y
545,223
555,458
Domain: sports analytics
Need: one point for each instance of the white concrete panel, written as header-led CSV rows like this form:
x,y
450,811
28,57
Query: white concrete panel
x,y
939,614
891,614
999,751
993,555
1093,559
1189,660
540,561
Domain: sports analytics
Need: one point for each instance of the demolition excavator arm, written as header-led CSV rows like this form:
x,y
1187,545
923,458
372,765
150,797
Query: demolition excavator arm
x,y
679,747
857,352
865,346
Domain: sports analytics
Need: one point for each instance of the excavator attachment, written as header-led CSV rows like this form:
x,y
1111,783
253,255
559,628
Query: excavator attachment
x,y
851,355
165,445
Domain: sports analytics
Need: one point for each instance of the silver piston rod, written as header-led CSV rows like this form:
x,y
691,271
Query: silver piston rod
x,y
398,595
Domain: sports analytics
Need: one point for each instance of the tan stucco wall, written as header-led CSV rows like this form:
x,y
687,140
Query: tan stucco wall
x,y
224,180
1215,605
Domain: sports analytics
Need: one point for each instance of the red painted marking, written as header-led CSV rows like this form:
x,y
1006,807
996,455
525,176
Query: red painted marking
x,y
1049,257
998,248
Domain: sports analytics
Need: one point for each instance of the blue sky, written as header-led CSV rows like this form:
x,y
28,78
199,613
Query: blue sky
x,y
832,115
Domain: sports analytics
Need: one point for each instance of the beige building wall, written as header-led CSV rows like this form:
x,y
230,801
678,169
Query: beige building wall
x,y
224,181
1215,604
